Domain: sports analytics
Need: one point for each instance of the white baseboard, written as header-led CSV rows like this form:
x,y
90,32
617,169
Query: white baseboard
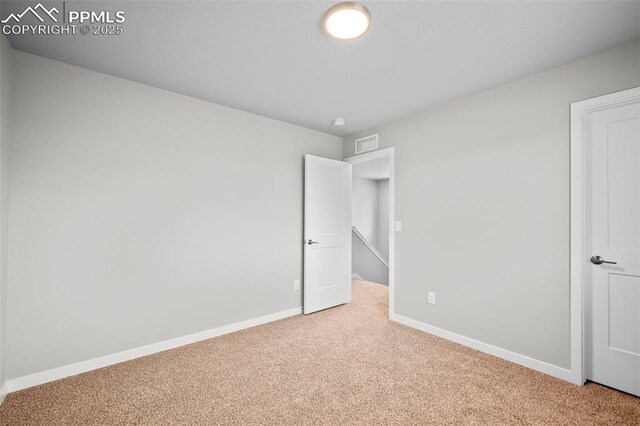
x,y
357,277
3,392
93,364
104,361
534,364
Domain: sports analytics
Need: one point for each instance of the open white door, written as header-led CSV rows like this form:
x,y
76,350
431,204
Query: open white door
x,y
614,298
327,233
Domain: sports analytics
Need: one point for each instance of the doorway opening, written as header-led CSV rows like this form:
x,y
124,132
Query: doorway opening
x,y
372,219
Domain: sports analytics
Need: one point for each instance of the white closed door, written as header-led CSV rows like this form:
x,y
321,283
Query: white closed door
x,y
613,305
327,233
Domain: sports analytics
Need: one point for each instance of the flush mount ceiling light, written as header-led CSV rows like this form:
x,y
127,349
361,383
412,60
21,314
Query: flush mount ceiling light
x,y
347,21
339,121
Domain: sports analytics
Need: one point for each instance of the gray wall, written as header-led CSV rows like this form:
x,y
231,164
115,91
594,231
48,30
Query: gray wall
x,y
364,208
139,215
370,211
482,189
367,211
366,264
383,217
6,58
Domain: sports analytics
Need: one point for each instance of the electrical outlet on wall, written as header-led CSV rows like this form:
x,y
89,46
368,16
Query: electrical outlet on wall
x,y
296,284
431,298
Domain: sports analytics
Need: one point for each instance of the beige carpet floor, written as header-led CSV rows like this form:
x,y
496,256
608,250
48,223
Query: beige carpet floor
x,y
346,365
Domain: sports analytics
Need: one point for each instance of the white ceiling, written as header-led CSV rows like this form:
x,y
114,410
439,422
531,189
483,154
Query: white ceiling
x,y
272,58
374,169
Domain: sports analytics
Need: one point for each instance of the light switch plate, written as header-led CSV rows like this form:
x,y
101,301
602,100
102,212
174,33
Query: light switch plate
x,y
296,284
398,225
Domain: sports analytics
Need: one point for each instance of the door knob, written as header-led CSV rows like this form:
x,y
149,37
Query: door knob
x,y
312,242
597,260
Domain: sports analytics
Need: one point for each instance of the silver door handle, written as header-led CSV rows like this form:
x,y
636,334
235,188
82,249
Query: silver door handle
x,y
597,260
309,242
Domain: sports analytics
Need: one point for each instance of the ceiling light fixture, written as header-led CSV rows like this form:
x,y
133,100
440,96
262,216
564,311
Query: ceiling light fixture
x,y
347,21
339,121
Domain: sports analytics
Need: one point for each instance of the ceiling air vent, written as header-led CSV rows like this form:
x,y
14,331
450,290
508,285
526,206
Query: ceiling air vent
x,y
368,143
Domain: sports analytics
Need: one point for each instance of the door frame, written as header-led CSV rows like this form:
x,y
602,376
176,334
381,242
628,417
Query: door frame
x,y
375,155
580,232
